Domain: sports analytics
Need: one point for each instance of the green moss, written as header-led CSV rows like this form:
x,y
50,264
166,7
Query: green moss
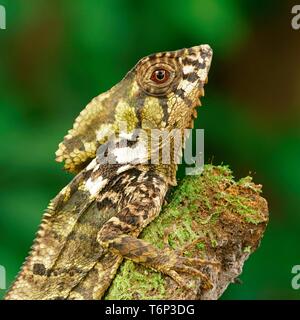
x,y
247,249
214,243
240,204
248,183
188,254
131,280
171,241
200,246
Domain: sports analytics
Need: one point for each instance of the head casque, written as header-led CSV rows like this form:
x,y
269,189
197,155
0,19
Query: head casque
x,y
160,92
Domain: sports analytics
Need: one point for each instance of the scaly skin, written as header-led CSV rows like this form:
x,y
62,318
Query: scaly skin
x,y
94,222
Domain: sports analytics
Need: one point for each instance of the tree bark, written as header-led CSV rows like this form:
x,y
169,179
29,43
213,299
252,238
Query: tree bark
x,y
209,216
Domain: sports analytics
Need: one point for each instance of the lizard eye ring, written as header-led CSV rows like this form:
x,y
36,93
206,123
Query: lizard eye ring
x,y
157,78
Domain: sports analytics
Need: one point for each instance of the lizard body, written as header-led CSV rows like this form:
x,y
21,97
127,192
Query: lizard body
x,y
94,222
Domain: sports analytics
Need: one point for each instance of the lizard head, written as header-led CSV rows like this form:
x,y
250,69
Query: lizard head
x,y
170,85
160,92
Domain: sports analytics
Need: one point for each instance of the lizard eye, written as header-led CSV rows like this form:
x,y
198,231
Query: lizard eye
x,y
160,76
156,77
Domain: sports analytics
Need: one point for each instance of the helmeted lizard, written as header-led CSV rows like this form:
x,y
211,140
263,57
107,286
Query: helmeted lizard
x,y
94,222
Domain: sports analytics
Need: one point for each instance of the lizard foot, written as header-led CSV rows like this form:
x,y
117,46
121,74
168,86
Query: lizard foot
x,y
179,264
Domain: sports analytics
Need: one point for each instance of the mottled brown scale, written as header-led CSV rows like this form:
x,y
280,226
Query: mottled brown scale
x,y
94,222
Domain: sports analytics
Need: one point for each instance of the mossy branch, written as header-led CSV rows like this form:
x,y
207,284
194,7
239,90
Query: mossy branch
x,y
208,216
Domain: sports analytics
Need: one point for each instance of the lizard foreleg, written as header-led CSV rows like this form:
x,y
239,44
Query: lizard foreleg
x,y
118,235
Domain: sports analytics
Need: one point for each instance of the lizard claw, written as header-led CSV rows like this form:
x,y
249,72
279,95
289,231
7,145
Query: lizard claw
x,y
189,266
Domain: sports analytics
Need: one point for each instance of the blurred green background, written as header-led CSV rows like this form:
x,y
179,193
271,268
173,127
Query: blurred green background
x,y
56,55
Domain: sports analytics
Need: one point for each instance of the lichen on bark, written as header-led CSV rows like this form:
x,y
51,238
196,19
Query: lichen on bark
x,y
209,216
